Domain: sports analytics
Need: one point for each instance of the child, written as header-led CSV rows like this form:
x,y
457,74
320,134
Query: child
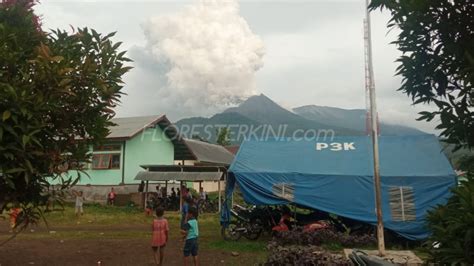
x,y
79,202
190,233
14,213
188,203
160,235
111,197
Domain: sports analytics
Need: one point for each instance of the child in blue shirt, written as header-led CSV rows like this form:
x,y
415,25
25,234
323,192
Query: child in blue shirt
x,y
190,232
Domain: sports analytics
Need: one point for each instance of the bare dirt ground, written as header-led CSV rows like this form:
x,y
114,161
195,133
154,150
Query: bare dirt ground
x,y
109,245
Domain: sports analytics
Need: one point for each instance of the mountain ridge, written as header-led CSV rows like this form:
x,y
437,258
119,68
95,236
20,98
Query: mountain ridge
x,y
260,110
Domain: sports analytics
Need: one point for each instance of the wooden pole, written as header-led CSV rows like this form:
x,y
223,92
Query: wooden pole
x,y
219,188
146,195
181,196
375,142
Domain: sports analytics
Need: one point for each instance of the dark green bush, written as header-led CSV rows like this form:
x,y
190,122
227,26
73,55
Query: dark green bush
x,y
452,226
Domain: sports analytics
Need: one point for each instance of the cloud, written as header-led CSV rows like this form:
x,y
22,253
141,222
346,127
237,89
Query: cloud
x,y
206,54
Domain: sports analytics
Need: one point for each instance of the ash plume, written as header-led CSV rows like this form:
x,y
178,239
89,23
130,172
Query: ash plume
x,y
208,56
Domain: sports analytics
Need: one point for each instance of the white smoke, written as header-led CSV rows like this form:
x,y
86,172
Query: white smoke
x,y
210,53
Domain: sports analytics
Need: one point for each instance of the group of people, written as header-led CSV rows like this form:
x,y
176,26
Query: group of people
x,y
160,228
79,200
189,230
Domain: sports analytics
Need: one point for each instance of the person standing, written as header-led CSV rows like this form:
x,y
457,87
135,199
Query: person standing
x,y
111,197
184,211
79,203
173,193
158,191
160,229
141,187
190,232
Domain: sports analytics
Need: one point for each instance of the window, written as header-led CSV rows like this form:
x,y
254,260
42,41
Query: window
x,y
283,190
402,203
106,161
115,164
108,147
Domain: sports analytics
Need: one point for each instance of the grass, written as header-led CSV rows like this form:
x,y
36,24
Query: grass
x,y
97,214
127,223
240,246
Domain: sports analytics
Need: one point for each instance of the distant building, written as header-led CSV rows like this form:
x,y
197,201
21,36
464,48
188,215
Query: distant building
x,y
149,140
132,142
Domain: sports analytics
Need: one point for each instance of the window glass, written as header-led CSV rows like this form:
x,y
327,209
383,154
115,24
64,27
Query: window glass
x,y
108,147
115,161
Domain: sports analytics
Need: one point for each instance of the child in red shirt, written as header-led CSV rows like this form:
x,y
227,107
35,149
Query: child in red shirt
x,y
160,230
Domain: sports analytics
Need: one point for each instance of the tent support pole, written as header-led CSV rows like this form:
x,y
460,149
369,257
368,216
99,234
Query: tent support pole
x,y
219,188
145,199
181,196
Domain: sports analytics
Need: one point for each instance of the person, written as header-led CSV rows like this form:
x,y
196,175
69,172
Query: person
x,y
178,192
79,202
14,213
141,187
111,197
202,195
159,192
173,193
164,193
184,210
160,229
190,234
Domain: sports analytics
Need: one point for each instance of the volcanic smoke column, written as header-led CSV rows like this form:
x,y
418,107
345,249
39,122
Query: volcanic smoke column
x,y
210,53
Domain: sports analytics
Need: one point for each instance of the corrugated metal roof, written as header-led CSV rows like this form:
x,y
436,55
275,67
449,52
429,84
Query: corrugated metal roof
x,y
127,127
209,153
179,176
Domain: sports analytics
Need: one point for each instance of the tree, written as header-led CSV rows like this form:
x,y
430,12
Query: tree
x,y
57,91
223,137
437,64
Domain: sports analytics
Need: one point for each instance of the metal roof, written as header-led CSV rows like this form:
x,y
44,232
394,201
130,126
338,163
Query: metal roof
x,y
179,176
209,153
183,168
184,149
127,127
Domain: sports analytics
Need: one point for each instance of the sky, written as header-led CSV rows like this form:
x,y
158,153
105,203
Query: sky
x,y
196,58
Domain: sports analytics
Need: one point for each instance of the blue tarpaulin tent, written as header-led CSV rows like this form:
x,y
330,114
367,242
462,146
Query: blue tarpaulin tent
x,y
337,177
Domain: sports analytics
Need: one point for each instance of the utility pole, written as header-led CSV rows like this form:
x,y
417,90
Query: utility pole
x,y
370,87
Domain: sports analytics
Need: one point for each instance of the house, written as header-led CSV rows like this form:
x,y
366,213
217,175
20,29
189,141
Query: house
x,y
137,141
132,141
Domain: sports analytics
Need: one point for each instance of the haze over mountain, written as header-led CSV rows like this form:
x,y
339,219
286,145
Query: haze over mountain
x,y
259,113
351,118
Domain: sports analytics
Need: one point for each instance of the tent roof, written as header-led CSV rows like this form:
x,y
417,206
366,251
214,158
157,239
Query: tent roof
x,y
399,156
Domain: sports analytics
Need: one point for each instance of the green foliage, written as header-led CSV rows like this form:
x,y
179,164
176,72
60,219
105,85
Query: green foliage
x,y
437,64
452,226
223,136
57,91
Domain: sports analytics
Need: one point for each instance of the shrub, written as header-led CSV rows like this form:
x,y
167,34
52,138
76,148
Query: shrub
x,y
452,227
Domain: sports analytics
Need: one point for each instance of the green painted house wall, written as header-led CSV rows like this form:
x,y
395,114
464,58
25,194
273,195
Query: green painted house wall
x,y
151,146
